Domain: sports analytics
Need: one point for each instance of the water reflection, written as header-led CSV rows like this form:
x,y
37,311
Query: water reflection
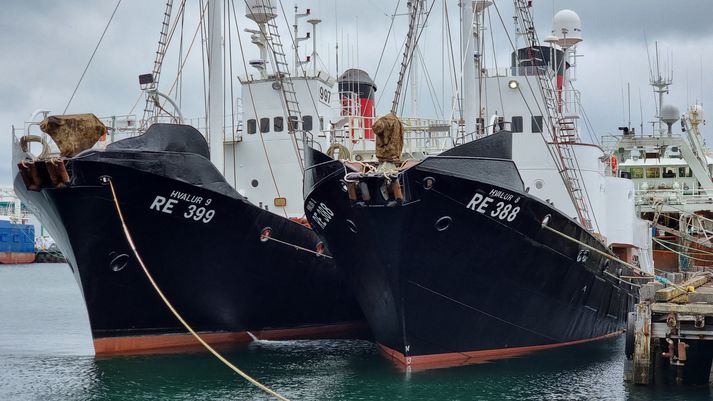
x,y
48,357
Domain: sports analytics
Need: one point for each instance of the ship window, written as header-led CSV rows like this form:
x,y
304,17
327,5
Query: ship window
x,y
264,125
685,172
668,173
516,125
637,172
278,124
252,126
293,123
653,172
307,123
536,124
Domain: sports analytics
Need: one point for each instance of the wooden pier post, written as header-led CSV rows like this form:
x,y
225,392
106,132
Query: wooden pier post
x,y
642,344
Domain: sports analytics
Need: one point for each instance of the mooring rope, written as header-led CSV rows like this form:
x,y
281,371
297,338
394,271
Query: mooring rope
x,y
680,253
265,238
178,316
636,269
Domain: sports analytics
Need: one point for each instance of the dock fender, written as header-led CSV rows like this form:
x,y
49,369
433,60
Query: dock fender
x,y
630,329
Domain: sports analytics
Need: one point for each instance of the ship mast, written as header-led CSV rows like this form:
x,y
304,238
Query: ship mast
x,y
215,84
471,30
414,6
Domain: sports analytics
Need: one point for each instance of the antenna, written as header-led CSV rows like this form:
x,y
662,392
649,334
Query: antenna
x,y
336,38
299,39
314,22
628,101
641,113
660,84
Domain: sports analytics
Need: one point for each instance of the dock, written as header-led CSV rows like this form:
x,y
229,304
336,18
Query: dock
x,y
669,337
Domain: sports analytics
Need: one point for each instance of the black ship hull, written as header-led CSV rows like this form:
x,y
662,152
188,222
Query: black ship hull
x,y
462,270
199,239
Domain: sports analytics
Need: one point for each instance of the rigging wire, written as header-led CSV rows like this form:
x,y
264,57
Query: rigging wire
x,y
252,101
549,123
695,250
179,88
233,109
457,100
679,252
495,61
388,78
204,56
179,74
226,17
430,86
92,56
301,67
409,59
386,41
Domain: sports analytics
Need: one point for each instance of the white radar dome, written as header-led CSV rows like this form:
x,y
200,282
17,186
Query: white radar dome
x,y
567,27
260,11
669,114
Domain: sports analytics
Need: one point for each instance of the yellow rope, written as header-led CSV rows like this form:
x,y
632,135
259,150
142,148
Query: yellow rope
x,y
695,250
608,256
680,253
175,312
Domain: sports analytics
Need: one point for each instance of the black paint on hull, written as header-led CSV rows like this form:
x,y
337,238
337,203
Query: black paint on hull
x,y
215,270
444,274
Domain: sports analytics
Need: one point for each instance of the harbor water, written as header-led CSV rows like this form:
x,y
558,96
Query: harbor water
x,y
46,354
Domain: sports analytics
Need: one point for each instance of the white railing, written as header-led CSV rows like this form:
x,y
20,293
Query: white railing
x,y
422,136
127,126
672,196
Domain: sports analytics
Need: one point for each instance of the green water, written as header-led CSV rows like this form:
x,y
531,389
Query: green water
x,y
46,354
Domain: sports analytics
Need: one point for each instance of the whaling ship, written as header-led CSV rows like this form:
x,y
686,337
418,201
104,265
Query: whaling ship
x,y
223,239
515,239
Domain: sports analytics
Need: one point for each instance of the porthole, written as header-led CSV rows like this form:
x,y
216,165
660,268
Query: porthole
x,y
428,182
119,262
265,234
254,183
351,226
443,223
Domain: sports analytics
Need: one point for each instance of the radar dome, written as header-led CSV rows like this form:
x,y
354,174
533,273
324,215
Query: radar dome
x,y
669,114
260,11
567,27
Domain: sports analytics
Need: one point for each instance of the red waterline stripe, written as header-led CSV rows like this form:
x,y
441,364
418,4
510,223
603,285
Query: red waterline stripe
x,y
474,357
162,343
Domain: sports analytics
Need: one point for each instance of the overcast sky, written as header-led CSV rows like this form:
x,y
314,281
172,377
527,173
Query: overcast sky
x,y
45,45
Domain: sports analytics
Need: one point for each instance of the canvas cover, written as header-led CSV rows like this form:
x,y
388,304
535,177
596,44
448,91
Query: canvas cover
x,y
73,133
389,138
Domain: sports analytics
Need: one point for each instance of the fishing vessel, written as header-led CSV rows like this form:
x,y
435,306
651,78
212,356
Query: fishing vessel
x,y
217,221
670,167
506,237
17,234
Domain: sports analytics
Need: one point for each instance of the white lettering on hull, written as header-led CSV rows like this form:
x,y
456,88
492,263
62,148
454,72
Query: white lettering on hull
x,y
322,215
193,210
502,210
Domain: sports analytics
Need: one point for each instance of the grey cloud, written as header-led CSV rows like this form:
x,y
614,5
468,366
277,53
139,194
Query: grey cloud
x,y
46,44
